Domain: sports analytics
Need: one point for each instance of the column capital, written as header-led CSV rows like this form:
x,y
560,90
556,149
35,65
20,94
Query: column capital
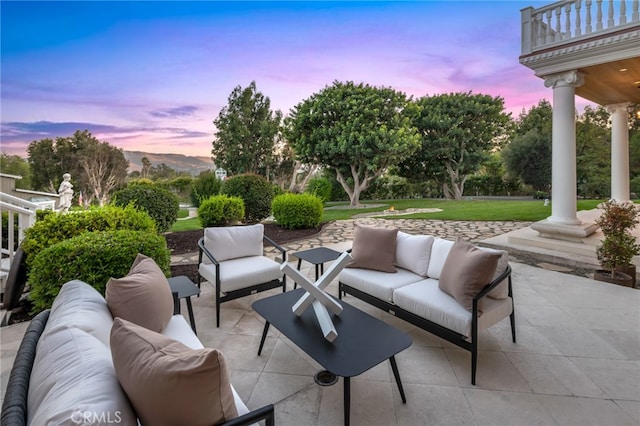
x,y
614,107
568,78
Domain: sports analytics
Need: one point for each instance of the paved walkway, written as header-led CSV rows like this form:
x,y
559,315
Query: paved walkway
x,y
576,362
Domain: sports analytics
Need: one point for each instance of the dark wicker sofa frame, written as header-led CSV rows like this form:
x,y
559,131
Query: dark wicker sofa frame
x,y
235,294
433,328
14,407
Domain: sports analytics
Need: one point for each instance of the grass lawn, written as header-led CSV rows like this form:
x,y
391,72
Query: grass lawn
x,y
489,210
183,213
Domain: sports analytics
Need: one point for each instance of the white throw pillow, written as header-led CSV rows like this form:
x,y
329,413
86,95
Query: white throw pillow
x,y
439,252
413,252
232,242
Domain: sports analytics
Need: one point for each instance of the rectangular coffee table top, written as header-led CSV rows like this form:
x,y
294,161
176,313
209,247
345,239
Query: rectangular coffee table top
x,y
362,343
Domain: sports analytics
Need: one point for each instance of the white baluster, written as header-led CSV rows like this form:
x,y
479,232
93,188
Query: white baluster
x,y
623,13
578,31
549,37
588,7
610,21
599,15
558,35
567,27
636,6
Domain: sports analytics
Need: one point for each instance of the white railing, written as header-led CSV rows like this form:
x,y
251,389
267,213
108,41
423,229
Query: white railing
x,y
24,213
573,20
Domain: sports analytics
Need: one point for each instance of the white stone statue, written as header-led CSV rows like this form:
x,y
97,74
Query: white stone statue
x,y
66,193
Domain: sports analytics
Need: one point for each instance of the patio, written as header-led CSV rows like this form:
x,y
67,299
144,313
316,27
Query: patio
x,y
577,361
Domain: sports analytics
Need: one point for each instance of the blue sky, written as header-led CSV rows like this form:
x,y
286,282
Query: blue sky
x,y
152,76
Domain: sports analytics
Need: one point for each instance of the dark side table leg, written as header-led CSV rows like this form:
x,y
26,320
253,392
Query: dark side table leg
x,y
264,336
396,374
191,318
347,400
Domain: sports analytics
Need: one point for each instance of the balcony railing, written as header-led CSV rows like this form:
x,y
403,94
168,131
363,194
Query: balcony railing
x,y
21,213
574,20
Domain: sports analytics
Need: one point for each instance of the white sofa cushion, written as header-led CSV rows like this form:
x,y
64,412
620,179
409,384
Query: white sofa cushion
x,y
231,242
79,305
378,284
426,300
242,272
413,252
73,379
439,252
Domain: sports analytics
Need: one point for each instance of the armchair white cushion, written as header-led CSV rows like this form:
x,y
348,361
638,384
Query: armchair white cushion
x,y
232,259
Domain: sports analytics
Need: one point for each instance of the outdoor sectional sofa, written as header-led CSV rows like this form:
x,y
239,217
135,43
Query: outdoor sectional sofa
x,y
413,292
78,365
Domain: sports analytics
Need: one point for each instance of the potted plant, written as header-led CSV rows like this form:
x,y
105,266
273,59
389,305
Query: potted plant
x,y
618,247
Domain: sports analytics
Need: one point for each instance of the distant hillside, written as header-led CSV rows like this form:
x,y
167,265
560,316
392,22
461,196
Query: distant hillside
x,y
178,162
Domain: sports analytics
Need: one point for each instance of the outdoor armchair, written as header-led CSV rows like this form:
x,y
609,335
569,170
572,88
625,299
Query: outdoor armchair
x,y
232,259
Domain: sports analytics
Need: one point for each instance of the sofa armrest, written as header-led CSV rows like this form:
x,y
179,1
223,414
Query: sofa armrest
x,y
14,406
265,413
493,284
282,251
203,250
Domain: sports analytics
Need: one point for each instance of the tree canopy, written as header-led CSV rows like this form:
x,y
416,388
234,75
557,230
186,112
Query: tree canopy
x,y
246,131
96,167
17,166
458,132
357,130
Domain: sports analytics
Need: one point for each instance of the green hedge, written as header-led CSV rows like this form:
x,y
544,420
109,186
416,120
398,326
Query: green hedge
x,y
297,211
221,210
256,192
56,227
162,205
204,186
320,187
92,257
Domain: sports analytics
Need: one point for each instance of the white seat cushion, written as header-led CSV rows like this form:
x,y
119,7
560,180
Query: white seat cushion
x,y
426,300
243,272
378,284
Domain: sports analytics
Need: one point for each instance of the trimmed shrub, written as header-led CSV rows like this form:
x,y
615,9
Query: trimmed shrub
x,y
221,210
161,204
320,187
255,191
53,228
297,211
92,257
204,186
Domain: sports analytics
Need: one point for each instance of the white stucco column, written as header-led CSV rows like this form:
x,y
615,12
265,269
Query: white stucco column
x,y
619,152
563,170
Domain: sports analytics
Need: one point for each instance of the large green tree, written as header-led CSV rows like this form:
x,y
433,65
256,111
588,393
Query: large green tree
x,y
458,132
357,130
528,156
96,167
17,166
246,131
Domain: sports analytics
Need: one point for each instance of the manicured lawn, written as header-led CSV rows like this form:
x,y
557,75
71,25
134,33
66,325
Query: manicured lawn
x,y
183,213
489,210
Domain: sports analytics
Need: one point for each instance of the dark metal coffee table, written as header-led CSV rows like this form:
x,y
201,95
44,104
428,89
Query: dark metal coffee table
x,y
362,343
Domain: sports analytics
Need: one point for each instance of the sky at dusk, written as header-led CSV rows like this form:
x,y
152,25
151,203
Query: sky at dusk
x,y
152,76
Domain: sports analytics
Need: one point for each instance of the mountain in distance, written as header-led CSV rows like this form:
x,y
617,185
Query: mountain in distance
x,y
178,162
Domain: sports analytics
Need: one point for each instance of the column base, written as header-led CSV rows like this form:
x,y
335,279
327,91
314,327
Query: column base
x,y
565,232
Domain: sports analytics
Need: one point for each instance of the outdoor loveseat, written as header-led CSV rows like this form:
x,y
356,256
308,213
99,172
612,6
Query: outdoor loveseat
x,y
404,274
77,364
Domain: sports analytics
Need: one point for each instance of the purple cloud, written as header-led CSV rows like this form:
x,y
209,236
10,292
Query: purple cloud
x,y
181,111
